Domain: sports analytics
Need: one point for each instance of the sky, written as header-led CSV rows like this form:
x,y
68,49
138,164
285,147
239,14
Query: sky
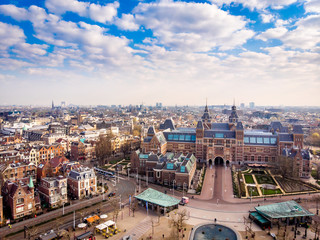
x,y
173,52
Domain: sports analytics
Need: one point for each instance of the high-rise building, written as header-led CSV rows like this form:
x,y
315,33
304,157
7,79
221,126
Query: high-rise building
x,y
242,106
251,104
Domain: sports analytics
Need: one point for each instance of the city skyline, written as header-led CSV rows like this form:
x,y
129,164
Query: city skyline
x,y
174,52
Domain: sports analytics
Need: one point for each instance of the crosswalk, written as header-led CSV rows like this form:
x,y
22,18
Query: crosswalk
x,y
143,227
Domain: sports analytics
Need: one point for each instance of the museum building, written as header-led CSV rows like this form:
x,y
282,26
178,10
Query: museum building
x,y
229,143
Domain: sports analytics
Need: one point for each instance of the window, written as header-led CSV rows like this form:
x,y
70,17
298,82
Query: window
x,y
246,158
266,140
266,159
273,159
259,140
188,137
252,140
170,137
158,174
19,209
219,135
181,138
176,137
273,140
20,200
29,205
252,158
259,158
193,138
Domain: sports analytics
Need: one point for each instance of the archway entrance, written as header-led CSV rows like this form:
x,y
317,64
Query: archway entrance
x,y
210,162
227,163
218,161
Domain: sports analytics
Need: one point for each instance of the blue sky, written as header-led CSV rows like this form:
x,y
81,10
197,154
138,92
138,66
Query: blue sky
x,y
174,52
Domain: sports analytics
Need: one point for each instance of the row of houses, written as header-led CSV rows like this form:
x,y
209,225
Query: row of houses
x,y
25,187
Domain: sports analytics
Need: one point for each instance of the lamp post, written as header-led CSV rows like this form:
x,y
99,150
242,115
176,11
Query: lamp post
x,y
250,194
63,208
173,182
183,188
120,202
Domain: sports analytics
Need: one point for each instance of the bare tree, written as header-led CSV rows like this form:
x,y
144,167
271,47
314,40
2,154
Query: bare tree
x,y
177,221
103,149
116,208
32,232
134,207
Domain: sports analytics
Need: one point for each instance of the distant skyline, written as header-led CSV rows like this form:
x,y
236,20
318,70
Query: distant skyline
x,y
174,52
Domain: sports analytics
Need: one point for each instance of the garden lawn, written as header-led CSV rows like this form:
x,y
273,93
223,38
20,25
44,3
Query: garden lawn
x,y
249,178
271,191
254,191
265,179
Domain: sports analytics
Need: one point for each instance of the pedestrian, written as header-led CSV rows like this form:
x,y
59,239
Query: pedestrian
x,y
215,220
162,235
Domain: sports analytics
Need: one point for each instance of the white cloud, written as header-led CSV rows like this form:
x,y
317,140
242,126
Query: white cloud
x,y
17,13
86,37
312,6
10,35
305,34
192,26
267,18
272,33
127,22
98,13
257,4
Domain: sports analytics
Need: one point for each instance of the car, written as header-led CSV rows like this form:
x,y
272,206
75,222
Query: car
x,y
127,237
111,194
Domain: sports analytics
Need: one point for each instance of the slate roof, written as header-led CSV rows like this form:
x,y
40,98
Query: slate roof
x,y
285,137
168,123
153,196
283,210
199,125
297,129
220,126
147,139
239,126
151,130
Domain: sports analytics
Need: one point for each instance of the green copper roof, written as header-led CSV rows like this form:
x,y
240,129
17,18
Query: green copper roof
x,y
283,210
153,196
30,185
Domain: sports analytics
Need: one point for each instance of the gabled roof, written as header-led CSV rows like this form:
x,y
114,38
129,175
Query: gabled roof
x,y
151,130
168,123
153,196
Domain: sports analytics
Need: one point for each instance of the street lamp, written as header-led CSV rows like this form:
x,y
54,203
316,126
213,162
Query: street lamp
x,y
183,188
173,182
250,194
63,208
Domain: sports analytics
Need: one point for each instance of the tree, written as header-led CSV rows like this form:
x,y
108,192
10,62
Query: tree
x,y
125,148
103,149
287,167
134,207
177,221
116,208
136,130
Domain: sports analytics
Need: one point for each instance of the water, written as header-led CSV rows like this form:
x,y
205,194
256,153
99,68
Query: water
x,y
214,232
